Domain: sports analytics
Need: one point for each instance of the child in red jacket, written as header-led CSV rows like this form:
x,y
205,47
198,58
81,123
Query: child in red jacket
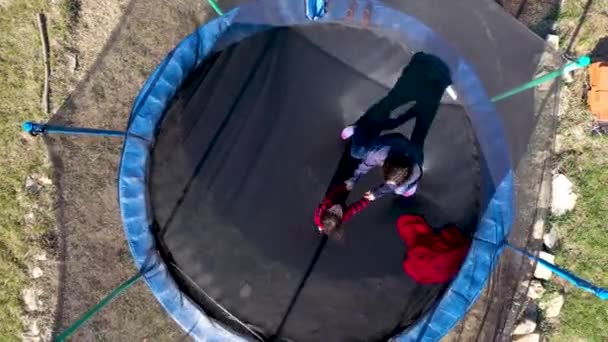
x,y
331,214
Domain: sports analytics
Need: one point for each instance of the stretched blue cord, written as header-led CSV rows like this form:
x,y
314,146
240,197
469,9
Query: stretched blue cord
x,y
35,129
575,280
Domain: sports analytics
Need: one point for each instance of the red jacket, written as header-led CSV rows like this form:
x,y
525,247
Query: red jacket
x,y
330,199
431,258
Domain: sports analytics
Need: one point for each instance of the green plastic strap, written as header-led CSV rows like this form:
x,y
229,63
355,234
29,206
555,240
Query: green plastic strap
x,y
582,62
94,310
215,7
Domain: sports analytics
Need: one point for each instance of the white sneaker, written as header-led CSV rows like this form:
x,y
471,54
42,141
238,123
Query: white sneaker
x,y
347,132
350,184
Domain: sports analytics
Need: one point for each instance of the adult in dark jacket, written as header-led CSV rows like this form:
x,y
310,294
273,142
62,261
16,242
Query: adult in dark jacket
x,y
421,84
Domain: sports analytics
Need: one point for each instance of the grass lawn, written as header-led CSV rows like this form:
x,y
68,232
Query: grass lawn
x,y
584,159
24,218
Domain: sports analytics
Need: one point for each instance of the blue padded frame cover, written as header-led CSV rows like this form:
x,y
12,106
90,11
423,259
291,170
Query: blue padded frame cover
x,y
157,93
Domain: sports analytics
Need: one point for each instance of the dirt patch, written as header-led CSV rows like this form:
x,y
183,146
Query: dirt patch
x,y
538,15
114,46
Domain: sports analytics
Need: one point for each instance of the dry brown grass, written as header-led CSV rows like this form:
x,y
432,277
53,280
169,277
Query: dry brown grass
x,y
118,44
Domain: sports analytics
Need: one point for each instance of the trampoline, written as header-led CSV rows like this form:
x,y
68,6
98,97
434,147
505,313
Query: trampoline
x,y
234,140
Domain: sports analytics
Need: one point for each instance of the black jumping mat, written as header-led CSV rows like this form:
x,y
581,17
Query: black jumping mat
x,y
243,157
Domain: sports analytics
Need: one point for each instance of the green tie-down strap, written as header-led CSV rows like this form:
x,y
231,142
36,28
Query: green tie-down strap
x,y
582,62
215,7
100,305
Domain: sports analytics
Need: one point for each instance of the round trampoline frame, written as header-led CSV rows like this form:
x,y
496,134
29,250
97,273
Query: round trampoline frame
x,y
245,21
